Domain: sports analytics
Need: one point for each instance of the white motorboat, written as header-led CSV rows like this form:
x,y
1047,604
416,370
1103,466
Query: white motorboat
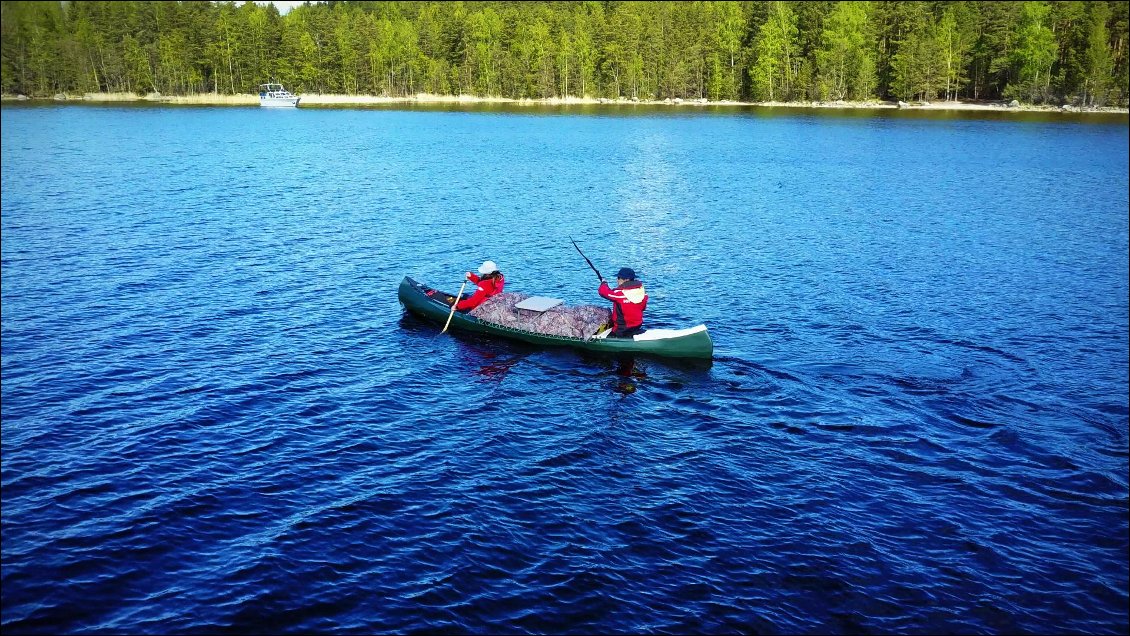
x,y
275,96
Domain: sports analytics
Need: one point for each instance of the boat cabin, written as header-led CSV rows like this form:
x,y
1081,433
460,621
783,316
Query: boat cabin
x,y
273,90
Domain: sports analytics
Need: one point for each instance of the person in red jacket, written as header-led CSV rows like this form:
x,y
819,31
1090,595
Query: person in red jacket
x,y
628,302
489,281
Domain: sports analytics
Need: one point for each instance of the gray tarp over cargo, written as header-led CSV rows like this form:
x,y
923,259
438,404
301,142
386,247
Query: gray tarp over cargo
x,y
582,321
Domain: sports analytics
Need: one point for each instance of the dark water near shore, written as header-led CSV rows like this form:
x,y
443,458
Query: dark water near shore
x,y
218,419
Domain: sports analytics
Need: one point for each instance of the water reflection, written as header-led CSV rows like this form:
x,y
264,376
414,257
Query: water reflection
x,y
499,355
489,366
627,374
622,111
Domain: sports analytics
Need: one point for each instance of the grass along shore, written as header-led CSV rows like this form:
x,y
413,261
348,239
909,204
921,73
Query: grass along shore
x,y
251,99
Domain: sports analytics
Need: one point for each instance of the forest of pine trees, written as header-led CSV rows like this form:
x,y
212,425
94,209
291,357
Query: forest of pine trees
x,y
1038,52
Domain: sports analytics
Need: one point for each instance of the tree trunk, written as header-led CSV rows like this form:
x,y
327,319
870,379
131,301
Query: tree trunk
x,y
94,71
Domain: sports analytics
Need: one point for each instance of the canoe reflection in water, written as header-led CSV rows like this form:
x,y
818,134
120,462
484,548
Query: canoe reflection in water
x,y
493,367
627,374
493,361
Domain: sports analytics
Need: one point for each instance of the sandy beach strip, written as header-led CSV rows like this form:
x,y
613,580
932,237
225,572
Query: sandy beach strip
x,y
251,99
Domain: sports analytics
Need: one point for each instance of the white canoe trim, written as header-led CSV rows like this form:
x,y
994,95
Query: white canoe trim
x,y
664,334
656,334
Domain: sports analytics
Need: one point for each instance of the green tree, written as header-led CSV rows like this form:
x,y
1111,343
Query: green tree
x,y
221,51
990,67
347,49
1068,23
258,43
916,67
845,63
139,72
40,55
729,27
172,60
588,19
307,68
621,43
484,33
534,48
564,57
433,56
1119,36
89,43
407,57
954,41
1034,53
771,74
1099,60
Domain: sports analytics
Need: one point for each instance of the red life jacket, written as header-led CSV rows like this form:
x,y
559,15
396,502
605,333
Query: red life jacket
x,y
628,302
487,288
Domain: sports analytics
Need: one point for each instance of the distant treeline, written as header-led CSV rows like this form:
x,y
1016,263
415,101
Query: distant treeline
x,y
1036,52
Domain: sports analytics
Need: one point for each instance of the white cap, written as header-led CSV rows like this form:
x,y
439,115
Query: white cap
x,y
487,267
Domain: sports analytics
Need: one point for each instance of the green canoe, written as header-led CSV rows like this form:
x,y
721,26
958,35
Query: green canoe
x,y
670,343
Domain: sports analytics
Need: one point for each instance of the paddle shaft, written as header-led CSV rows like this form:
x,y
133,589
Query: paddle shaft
x,y
453,304
586,259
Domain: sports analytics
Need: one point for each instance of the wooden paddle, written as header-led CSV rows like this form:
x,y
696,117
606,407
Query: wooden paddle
x,y
453,304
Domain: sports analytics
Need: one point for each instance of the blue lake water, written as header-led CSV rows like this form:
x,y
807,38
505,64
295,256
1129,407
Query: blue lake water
x,y
217,417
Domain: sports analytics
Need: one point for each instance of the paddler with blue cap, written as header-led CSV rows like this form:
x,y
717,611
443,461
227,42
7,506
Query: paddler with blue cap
x,y
629,300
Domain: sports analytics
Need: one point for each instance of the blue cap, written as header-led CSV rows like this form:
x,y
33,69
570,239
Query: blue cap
x,y
627,273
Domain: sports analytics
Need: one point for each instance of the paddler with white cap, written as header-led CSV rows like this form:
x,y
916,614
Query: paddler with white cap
x,y
489,281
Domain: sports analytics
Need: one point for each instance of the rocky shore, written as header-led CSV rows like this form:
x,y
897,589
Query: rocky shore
x,y
213,99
